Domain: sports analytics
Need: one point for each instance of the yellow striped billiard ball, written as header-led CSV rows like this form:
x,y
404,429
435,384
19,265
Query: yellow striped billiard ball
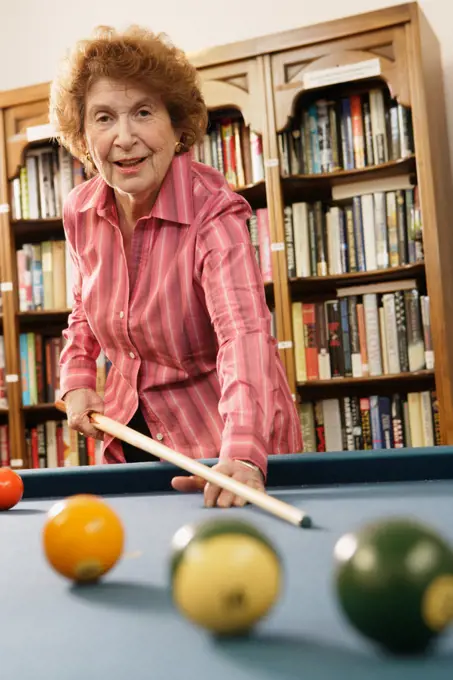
x,y
83,538
225,574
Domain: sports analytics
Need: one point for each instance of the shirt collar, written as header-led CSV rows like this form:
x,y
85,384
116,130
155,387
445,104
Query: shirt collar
x,y
174,201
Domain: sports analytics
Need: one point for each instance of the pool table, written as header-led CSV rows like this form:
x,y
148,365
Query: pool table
x,y
126,626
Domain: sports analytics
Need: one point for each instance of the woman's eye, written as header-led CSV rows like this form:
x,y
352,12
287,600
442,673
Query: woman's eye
x,y
144,113
104,118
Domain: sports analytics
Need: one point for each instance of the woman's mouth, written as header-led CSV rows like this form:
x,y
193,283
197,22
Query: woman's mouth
x,y
130,165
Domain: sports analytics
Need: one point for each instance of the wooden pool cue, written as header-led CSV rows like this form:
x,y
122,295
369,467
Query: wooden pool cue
x,y
282,510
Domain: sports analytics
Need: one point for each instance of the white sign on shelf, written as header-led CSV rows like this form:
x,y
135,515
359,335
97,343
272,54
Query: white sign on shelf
x,y
37,132
11,378
271,162
342,74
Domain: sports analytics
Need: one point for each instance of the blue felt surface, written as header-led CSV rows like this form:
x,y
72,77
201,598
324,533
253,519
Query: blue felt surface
x,y
127,627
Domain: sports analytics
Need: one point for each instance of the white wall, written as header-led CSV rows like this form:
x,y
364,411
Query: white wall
x,y
34,34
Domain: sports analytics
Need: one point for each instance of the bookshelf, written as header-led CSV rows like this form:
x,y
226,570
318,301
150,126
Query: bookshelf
x,y
273,88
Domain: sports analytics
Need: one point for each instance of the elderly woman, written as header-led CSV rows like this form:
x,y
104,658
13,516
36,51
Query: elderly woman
x,y
166,280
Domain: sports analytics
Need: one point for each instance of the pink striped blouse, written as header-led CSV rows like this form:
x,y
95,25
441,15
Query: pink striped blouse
x,y
189,332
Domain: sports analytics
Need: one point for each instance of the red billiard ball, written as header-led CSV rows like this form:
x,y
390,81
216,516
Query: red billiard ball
x,y
11,488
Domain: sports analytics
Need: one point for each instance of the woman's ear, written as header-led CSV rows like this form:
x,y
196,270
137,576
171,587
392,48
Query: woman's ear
x,y
180,145
88,163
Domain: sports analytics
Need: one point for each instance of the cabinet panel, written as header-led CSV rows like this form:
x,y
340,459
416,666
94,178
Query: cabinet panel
x,y
379,54
21,126
238,85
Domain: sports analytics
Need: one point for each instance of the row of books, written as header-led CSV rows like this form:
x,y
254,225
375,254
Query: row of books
x,y
53,444
235,150
346,133
46,178
40,367
348,424
373,231
363,333
45,276
375,422
260,237
50,445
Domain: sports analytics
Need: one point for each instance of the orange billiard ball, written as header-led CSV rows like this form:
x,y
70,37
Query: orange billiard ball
x,y
83,538
11,488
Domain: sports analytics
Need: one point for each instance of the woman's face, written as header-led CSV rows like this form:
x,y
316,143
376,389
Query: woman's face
x,y
129,136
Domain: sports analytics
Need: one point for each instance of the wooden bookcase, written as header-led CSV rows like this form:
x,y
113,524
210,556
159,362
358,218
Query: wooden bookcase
x,y
266,79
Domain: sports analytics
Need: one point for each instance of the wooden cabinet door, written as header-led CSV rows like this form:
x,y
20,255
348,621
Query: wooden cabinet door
x,y
377,54
23,124
237,85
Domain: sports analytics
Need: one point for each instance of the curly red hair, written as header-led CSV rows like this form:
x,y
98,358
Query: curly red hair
x,y
135,56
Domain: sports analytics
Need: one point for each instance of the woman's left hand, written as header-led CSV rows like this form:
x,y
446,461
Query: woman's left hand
x,y
215,495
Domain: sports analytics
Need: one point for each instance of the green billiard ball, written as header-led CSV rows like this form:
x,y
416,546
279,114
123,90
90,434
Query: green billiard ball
x,y
394,582
225,575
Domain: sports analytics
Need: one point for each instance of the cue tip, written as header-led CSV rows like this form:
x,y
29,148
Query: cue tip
x,y
305,522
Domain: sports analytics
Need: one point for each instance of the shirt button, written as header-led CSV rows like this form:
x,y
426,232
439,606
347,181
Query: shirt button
x,y
159,436
121,315
132,355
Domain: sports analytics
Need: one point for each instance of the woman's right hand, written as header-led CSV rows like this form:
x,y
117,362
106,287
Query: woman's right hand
x,y
79,403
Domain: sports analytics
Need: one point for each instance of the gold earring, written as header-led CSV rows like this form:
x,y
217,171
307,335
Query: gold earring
x,y
178,147
88,157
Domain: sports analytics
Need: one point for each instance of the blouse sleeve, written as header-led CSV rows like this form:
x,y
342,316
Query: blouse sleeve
x,y
247,354
81,349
